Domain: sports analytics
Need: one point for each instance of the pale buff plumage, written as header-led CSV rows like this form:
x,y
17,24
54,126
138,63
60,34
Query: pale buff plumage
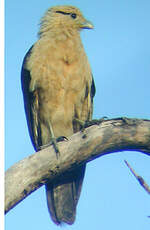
x,y
59,89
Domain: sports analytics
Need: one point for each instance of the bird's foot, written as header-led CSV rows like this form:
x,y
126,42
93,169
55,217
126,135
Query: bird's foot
x,y
94,122
61,138
86,124
54,142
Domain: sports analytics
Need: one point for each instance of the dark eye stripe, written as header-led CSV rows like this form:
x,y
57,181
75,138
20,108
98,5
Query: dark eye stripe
x,y
62,12
73,15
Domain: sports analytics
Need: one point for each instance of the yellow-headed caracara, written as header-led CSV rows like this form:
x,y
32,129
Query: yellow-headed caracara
x,y
58,88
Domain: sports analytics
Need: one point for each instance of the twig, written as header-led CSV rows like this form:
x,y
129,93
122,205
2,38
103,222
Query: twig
x,y
139,178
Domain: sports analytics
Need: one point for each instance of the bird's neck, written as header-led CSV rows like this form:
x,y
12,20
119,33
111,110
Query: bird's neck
x,y
68,42
61,34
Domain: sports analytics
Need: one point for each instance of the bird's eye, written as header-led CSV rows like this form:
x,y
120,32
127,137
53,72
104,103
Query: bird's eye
x,y
73,15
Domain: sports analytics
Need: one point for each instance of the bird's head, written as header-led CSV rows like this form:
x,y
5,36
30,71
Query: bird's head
x,y
64,18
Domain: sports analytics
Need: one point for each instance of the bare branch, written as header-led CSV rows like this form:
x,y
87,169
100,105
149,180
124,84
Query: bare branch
x,y
139,178
108,137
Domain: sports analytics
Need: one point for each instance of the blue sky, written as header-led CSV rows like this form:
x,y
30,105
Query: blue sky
x,y
119,53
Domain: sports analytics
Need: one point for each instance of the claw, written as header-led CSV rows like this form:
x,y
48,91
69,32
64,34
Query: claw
x,y
54,143
94,122
86,124
61,138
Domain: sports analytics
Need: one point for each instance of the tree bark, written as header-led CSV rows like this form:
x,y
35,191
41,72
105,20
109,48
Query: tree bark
x,y
108,137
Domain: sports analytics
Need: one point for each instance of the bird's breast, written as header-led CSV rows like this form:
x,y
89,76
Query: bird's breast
x,y
60,74
59,67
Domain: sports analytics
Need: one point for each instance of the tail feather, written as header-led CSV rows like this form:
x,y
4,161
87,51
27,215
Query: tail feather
x,y
63,196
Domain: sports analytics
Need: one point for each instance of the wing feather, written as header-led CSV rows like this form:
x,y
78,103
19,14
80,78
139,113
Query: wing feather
x,y
30,103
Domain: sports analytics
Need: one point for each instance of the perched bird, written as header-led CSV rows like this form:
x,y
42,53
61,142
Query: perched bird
x,y
58,90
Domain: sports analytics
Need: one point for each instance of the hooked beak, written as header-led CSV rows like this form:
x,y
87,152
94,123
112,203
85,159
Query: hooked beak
x,y
86,25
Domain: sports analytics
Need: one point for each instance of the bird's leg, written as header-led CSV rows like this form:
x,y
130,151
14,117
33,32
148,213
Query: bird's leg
x,y
79,121
53,140
86,124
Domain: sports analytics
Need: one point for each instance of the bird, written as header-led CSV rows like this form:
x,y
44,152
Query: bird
x,y
58,91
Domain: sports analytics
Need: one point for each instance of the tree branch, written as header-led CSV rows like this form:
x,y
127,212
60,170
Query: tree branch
x,y
108,137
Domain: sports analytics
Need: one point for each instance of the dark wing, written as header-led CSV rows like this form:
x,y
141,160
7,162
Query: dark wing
x,y
30,103
93,90
92,94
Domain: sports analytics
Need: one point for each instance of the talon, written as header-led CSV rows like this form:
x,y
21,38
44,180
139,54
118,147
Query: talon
x,y
61,138
86,124
54,143
93,122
